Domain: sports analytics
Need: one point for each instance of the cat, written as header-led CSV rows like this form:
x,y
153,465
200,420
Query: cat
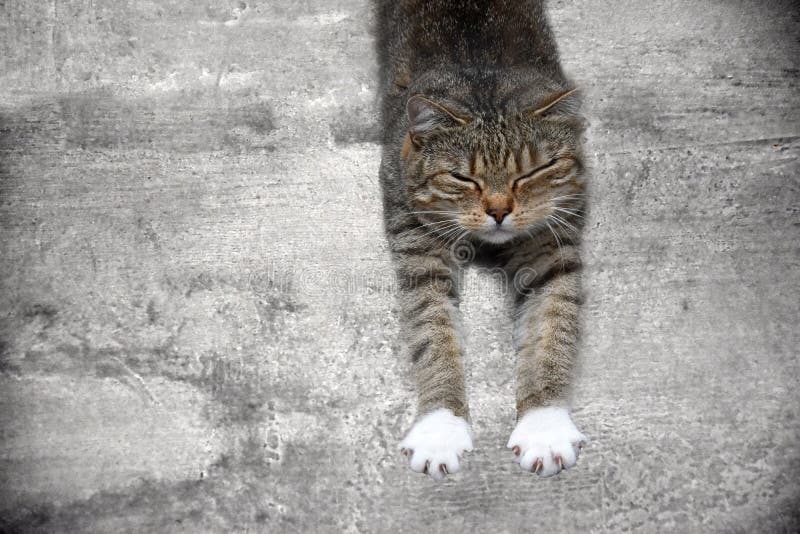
x,y
481,147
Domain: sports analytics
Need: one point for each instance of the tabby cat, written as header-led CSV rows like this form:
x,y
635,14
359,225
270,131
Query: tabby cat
x,y
481,148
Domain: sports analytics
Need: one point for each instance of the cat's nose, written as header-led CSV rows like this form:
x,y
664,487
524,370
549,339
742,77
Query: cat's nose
x,y
498,213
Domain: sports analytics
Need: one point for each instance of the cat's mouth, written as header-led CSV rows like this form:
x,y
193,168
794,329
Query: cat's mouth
x,y
497,234
497,229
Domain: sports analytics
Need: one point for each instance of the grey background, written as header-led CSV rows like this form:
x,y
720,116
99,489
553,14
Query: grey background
x,y
197,329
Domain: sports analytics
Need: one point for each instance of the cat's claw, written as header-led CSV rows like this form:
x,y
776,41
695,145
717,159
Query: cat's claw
x,y
546,441
537,465
435,443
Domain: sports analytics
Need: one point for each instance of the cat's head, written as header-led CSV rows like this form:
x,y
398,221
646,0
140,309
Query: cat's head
x,y
496,178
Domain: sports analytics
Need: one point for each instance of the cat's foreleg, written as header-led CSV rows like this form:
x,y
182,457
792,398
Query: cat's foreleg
x,y
427,297
545,439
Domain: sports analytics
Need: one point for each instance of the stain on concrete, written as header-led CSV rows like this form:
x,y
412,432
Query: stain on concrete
x,y
218,498
148,232
195,121
258,116
6,365
240,392
45,311
152,312
138,436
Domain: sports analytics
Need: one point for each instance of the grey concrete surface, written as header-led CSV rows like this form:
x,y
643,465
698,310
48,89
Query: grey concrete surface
x,y
197,330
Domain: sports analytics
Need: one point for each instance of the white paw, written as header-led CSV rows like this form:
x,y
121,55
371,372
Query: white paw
x,y
435,443
546,441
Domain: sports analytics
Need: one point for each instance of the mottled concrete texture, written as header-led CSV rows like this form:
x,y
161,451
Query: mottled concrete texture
x,y
197,330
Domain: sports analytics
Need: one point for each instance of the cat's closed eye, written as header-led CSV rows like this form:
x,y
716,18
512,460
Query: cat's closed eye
x,y
471,182
557,168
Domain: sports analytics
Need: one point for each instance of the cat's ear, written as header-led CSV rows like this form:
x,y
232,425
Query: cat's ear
x,y
561,102
426,116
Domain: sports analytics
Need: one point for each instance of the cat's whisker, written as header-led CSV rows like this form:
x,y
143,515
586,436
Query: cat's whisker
x,y
434,228
438,231
564,224
559,223
568,198
442,234
435,224
433,211
452,243
449,233
412,216
417,238
451,212
571,195
558,242
438,223
446,236
573,213
427,212
532,229
435,232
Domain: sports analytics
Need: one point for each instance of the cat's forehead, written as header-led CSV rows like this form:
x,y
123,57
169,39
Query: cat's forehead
x,y
489,147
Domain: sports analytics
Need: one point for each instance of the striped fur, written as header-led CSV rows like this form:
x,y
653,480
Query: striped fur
x,y
481,149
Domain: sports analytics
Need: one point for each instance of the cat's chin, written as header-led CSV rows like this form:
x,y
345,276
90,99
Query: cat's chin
x,y
496,237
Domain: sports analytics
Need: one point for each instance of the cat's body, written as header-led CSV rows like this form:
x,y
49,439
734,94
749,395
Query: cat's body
x,y
482,150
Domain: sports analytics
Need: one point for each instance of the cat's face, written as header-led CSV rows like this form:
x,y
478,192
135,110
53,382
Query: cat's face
x,y
493,180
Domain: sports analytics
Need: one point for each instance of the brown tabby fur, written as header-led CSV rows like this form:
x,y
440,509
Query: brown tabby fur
x,y
473,98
